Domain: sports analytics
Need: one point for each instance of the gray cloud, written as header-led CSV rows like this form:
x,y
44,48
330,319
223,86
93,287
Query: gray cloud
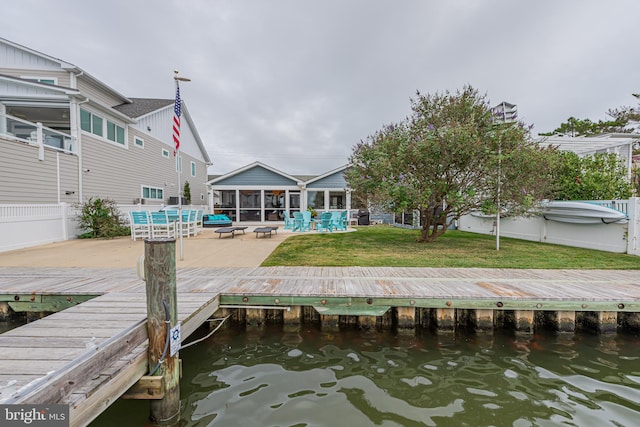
x,y
296,84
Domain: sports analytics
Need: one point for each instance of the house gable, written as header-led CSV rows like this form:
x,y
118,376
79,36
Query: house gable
x,y
13,55
332,179
253,174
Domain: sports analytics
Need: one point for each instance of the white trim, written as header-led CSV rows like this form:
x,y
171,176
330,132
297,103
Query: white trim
x,y
251,166
38,79
137,138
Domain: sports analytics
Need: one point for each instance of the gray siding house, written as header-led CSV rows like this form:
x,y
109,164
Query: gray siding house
x,y
259,193
65,136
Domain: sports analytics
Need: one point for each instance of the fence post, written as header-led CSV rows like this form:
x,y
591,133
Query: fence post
x,y
162,309
65,218
632,228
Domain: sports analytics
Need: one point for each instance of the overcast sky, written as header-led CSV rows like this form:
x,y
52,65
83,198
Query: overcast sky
x,y
296,84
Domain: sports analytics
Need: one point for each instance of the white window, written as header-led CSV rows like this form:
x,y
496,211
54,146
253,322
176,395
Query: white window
x,y
165,153
154,193
193,168
96,125
139,142
115,133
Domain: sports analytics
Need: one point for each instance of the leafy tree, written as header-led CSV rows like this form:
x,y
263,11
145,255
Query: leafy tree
x,y
626,114
585,127
621,117
187,192
449,158
101,218
597,177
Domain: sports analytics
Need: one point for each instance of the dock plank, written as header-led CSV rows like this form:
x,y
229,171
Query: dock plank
x,y
99,345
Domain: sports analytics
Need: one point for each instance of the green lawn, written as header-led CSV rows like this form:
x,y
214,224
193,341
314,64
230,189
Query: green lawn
x,y
386,246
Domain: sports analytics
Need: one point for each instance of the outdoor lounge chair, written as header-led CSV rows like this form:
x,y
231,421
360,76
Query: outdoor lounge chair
x,y
301,221
140,224
199,223
161,226
188,222
288,221
340,220
216,220
325,223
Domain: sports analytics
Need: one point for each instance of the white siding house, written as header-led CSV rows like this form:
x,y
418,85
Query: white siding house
x,y
65,136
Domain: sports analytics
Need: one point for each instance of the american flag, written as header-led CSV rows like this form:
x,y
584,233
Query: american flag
x,y
176,121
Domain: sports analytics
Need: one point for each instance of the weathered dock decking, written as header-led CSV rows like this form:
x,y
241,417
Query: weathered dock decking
x,y
90,353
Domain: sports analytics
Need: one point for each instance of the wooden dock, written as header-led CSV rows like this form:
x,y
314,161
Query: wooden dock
x,y
90,353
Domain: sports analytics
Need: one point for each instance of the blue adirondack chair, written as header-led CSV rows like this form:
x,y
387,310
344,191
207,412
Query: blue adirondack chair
x,y
301,222
324,222
340,220
288,221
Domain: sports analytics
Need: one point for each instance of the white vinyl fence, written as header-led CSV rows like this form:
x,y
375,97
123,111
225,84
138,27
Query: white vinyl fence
x,y
617,237
23,226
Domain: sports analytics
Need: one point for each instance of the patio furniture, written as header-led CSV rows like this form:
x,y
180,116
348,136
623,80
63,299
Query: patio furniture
x,y
324,223
301,221
199,223
161,226
140,224
172,214
240,228
288,221
216,220
264,231
226,230
188,222
230,230
340,220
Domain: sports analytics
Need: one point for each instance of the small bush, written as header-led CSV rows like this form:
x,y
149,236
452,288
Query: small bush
x,y
101,218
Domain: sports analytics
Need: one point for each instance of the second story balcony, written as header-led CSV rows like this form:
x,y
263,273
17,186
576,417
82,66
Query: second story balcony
x,y
35,133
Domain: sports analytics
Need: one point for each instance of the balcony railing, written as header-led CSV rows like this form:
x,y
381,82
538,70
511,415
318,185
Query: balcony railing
x,y
35,134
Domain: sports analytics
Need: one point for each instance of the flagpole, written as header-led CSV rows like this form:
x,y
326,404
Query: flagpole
x,y
176,139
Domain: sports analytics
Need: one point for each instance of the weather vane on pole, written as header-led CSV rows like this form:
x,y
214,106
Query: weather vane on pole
x,y
177,112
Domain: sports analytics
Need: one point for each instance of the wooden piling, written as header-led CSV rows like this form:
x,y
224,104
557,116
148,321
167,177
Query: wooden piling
x,y
524,320
484,320
406,317
160,276
607,322
566,321
293,316
255,317
367,322
446,319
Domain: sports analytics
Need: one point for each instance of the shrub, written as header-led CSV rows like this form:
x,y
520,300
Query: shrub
x,y
101,218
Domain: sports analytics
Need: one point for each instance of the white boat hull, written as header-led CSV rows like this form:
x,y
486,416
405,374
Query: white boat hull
x,y
580,213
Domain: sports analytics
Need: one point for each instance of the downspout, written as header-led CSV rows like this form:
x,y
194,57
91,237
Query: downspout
x,y
58,175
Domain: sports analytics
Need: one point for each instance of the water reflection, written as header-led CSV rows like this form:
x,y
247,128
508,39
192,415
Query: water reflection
x,y
307,377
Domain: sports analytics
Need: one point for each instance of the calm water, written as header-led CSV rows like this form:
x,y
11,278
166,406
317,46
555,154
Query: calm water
x,y
306,377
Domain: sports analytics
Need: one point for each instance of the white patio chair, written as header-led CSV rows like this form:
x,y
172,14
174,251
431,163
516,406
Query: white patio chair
x,y
161,226
140,224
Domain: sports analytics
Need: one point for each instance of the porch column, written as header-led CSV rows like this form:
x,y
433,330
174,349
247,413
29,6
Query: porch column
x,y
3,118
237,205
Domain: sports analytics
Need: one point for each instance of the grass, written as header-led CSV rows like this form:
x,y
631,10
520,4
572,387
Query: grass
x,y
386,246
